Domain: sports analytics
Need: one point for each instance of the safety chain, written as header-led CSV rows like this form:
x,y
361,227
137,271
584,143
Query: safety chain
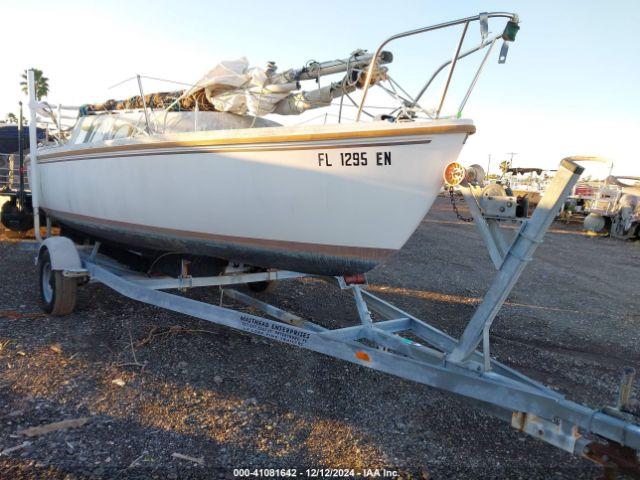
x,y
455,207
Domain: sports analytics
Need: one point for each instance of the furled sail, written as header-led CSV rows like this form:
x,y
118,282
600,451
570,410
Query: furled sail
x,y
235,87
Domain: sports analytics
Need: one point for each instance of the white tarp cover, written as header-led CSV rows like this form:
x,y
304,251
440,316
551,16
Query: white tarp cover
x,y
232,86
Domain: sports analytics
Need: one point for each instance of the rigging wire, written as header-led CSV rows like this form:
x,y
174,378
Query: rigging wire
x,y
148,78
345,81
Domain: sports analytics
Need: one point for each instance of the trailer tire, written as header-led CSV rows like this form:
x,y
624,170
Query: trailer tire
x,y
57,293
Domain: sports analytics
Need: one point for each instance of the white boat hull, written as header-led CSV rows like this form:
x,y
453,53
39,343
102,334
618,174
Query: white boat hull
x,y
330,202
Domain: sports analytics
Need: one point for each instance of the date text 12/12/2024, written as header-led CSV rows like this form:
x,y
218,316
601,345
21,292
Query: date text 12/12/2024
x,y
341,473
354,159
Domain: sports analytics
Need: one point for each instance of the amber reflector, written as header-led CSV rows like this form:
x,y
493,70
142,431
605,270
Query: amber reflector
x,y
454,174
363,356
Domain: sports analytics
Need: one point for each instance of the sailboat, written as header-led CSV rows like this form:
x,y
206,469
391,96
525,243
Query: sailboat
x,y
203,172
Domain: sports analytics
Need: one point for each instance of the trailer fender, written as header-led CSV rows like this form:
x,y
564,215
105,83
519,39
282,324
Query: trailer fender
x,y
63,253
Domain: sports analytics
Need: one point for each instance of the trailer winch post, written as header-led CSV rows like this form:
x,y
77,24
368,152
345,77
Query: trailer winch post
x,y
34,181
516,258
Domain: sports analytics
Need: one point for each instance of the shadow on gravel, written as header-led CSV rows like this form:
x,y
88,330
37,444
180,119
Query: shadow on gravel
x,y
237,401
241,401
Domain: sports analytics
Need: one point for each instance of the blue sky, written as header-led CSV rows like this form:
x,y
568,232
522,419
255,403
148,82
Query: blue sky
x,y
570,84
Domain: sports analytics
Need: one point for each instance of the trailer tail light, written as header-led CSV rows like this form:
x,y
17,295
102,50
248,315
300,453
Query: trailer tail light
x,y
364,356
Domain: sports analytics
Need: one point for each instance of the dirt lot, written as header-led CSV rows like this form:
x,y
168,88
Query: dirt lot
x,y
233,400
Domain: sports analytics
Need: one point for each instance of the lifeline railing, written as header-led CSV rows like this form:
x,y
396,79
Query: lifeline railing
x,y
57,119
508,35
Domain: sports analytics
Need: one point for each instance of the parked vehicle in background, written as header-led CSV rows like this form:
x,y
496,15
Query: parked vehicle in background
x,y
529,182
578,204
616,208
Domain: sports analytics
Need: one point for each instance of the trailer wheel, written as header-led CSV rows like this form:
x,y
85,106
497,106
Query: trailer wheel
x,y
57,293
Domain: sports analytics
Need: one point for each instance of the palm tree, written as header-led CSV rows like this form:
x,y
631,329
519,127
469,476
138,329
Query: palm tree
x,y
42,84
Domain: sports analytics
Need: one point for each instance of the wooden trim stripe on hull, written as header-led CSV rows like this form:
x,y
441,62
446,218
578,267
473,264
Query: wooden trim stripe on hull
x,y
258,148
307,136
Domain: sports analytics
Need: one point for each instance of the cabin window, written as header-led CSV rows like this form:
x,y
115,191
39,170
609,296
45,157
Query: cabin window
x,y
83,131
122,130
102,131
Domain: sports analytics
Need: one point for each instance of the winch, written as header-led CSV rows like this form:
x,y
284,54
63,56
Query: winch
x,y
494,201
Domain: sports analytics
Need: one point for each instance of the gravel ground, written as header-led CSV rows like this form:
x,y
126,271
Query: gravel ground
x,y
151,383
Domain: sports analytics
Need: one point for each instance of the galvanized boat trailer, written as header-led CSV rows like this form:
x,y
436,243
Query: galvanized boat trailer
x,y
386,338
380,341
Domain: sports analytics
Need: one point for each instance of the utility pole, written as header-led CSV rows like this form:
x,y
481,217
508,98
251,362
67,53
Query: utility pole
x,y
511,157
488,165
